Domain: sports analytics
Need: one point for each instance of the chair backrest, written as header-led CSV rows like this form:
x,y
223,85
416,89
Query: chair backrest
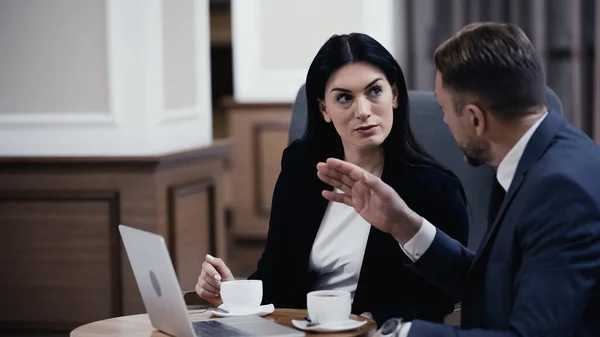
x,y
299,111
434,135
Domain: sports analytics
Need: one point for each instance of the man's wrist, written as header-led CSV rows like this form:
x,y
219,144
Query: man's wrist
x,y
394,327
405,229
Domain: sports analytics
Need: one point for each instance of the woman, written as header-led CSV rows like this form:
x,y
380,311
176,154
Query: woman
x,y
357,111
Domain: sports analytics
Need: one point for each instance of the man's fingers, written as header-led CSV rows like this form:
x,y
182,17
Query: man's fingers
x,y
335,174
338,197
344,167
334,182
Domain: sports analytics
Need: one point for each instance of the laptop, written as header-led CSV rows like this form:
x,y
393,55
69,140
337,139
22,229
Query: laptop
x,y
163,299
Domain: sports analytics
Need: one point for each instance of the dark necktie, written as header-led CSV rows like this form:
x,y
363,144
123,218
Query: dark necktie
x,y
496,199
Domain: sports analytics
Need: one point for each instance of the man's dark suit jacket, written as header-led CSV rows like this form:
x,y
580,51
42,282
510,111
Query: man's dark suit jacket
x,y
386,287
537,271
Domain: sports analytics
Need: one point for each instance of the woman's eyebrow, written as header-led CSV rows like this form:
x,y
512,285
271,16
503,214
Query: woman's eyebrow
x,y
366,87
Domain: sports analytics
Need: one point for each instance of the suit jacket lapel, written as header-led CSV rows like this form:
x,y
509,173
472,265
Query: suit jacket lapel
x,y
493,229
537,146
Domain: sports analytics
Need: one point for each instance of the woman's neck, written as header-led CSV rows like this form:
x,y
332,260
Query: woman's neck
x,y
370,160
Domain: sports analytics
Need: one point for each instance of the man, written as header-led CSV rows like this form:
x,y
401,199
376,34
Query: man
x,y
537,271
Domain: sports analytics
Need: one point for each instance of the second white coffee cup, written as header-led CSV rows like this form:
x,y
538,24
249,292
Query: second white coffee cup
x,y
328,306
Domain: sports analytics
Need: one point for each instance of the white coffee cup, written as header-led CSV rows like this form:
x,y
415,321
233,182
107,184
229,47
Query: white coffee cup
x,y
328,306
242,296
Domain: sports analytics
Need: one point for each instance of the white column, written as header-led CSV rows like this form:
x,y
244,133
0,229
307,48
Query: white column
x,y
274,41
104,77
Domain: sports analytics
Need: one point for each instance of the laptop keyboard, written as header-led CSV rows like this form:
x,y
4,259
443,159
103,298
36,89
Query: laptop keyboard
x,y
215,328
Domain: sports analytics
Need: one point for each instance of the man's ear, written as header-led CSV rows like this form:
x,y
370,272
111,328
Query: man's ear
x,y
395,96
323,110
477,118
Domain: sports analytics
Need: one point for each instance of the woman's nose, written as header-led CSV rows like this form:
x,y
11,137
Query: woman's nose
x,y
362,109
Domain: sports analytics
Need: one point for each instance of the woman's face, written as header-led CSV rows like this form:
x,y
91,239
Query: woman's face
x,y
359,101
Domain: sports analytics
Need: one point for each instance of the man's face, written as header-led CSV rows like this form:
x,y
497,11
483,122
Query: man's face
x,y
462,125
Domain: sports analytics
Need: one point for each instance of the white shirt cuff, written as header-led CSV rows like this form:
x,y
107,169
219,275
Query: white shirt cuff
x,y
418,244
404,329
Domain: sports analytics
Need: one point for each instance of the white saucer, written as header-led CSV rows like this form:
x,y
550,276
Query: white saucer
x,y
337,327
263,310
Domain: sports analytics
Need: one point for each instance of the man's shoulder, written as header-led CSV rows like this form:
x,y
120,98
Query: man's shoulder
x,y
573,139
572,156
570,166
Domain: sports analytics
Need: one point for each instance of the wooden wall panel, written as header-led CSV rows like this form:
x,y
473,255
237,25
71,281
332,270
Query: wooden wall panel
x,y
60,249
192,224
270,139
75,206
259,133
255,129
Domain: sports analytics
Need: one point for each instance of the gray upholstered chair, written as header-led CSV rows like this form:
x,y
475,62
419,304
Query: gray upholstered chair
x,y
431,131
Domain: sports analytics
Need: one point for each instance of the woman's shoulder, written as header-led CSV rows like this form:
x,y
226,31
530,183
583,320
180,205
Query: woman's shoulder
x,y
298,165
296,147
437,176
299,154
431,179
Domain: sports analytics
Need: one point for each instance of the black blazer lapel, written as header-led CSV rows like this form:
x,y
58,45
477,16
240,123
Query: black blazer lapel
x,y
537,146
370,275
311,207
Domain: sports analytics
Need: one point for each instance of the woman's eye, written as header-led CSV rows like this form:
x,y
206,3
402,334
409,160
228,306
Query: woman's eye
x,y
343,98
375,91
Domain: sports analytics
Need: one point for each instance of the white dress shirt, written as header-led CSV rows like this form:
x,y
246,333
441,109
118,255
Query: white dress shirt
x,y
418,244
338,250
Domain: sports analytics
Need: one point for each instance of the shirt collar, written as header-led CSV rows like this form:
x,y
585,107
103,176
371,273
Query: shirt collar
x,y
508,166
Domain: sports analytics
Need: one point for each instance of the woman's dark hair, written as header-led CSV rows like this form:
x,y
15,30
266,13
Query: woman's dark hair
x,y
338,51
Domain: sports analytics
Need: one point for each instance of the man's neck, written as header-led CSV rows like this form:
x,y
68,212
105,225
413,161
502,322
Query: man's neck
x,y
510,133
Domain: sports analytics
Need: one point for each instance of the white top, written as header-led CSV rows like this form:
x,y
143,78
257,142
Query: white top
x,y
338,250
507,168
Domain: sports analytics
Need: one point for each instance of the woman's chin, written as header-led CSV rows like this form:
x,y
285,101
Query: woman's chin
x,y
370,143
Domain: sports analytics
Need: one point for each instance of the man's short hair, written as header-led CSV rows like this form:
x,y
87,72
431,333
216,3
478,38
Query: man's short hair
x,y
495,65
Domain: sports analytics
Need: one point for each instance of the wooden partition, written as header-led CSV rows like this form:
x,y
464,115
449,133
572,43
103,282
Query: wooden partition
x,y
259,133
62,263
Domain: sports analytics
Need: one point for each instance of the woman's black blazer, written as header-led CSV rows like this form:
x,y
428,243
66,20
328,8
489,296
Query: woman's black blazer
x,y
386,287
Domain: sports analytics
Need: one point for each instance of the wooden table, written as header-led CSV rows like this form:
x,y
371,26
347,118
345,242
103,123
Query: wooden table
x,y
139,325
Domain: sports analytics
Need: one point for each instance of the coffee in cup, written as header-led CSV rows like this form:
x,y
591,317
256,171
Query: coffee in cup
x,y
242,296
328,306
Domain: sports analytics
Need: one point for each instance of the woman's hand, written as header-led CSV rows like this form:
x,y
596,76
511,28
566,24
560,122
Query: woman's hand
x,y
214,271
367,315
